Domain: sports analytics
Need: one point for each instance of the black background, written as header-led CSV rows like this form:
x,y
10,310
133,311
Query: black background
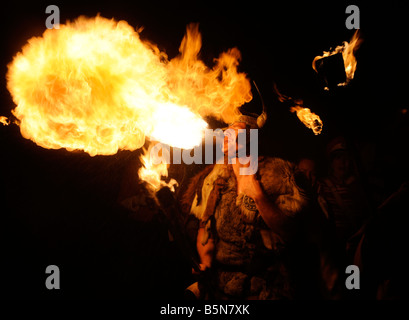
x,y
60,208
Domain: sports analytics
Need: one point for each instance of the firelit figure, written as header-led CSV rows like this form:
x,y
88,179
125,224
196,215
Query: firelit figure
x,y
244,226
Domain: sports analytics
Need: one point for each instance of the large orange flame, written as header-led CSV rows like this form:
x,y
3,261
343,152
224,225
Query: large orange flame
x,y
94,85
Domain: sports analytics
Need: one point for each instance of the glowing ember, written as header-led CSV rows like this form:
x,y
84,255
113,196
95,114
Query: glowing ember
x,y
153,173
4,121
310,119
348,54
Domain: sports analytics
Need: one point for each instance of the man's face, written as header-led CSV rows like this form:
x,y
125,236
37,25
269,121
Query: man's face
x,y
230,138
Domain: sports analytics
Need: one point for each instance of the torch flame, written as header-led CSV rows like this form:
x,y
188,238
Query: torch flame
x,y
348,54
4,120
153,173
308,118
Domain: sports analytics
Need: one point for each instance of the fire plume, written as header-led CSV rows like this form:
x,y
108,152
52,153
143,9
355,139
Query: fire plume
x,y
94,85
308,118
217,91
348,54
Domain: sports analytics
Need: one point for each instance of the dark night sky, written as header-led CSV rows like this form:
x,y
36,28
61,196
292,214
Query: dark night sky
x,y
60,207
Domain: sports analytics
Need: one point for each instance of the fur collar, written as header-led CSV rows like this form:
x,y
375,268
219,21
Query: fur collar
x,y
276,177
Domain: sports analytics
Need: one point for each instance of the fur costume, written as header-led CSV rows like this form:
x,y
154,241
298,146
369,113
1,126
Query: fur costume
x,y
246,250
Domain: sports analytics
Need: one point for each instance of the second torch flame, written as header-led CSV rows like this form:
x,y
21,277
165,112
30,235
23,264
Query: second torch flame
x,y
308,118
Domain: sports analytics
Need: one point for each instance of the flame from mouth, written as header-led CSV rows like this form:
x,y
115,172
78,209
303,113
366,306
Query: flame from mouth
x,y
153,174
